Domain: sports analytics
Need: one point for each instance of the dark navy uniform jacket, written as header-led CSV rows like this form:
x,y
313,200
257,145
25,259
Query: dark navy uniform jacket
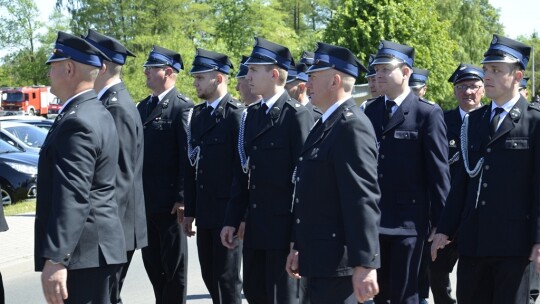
x,y
208,190
165,151
504,219
453,121
273,144
129,185
413,165
77,221
336,200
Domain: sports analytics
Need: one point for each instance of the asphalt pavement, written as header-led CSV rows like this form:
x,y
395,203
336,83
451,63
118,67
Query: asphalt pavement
x,y
22,285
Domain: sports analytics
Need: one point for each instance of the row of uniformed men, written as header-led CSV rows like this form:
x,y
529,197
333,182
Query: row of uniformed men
x,y
366,187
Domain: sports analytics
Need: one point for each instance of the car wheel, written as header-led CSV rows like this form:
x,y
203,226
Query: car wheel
x,y
6,198
32,112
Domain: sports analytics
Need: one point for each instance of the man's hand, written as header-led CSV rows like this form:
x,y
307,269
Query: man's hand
x,y
292,264
365,284
228,237
535,256
188,226
439,241
53,281
241,230
178,208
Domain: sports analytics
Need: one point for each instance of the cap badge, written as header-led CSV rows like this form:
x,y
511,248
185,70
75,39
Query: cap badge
x,y
381,45
495,40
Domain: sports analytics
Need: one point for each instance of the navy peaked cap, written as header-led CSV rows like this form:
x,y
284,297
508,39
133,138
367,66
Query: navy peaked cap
x,y
418,78
206,61
394,53
111,47
371,69
298,72
266,52
160,56
307,58
329,56
504,49
466,72
68,46
243,70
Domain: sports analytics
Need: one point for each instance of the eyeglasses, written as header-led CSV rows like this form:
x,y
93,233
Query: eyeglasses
x,y
464,88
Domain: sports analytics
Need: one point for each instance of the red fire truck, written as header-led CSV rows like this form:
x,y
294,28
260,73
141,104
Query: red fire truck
x,y
26,101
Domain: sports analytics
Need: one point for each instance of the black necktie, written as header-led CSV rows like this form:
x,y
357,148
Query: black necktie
x,y
495,121
263,108
152,104
388,113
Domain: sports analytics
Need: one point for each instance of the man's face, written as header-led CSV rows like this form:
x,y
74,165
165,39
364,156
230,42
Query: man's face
x,y
372,85
155,76
293,88
500,79
259,78
469,93
242,87
389,78
420,92
318,87
57,74
205,84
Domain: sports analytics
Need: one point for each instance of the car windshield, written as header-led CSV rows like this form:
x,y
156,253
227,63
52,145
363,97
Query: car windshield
x,y
7,148
32,136
16,96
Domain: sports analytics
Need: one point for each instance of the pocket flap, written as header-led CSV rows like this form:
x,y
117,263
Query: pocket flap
x,y
517,143
405,134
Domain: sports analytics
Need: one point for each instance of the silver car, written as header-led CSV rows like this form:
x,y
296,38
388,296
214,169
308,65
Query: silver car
x,y
23,136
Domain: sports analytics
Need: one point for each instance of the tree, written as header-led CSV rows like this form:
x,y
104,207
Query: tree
x,y
534,63
19,33
472,23
360,24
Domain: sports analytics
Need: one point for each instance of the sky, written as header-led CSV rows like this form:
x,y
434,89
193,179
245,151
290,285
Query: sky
x,y
519,17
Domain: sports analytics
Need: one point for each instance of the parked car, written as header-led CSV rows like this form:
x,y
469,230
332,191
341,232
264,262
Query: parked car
x,y
18,173
37,121
23,136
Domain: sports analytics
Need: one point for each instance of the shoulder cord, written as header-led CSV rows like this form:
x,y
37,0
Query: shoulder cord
x,y
454,158
464,150
244,160
193,153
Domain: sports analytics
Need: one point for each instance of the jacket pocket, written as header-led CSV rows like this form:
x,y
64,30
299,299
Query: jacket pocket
x,y
406,134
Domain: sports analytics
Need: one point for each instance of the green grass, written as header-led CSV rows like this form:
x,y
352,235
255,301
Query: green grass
x,y
20,207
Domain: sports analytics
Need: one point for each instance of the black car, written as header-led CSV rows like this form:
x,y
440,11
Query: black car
x,y
18,173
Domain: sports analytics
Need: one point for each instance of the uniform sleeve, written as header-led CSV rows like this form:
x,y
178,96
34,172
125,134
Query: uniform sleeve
x,y
127,156
300,129
190,184
182,148
237,205
355,164
436,158
74,162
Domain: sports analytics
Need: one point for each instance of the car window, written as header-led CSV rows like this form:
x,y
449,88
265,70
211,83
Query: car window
x,y
32,136
7,148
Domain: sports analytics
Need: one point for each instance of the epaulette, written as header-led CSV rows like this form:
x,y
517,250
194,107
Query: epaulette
x,y
534,105
427,101
348,113
294,103
235,104
183,97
